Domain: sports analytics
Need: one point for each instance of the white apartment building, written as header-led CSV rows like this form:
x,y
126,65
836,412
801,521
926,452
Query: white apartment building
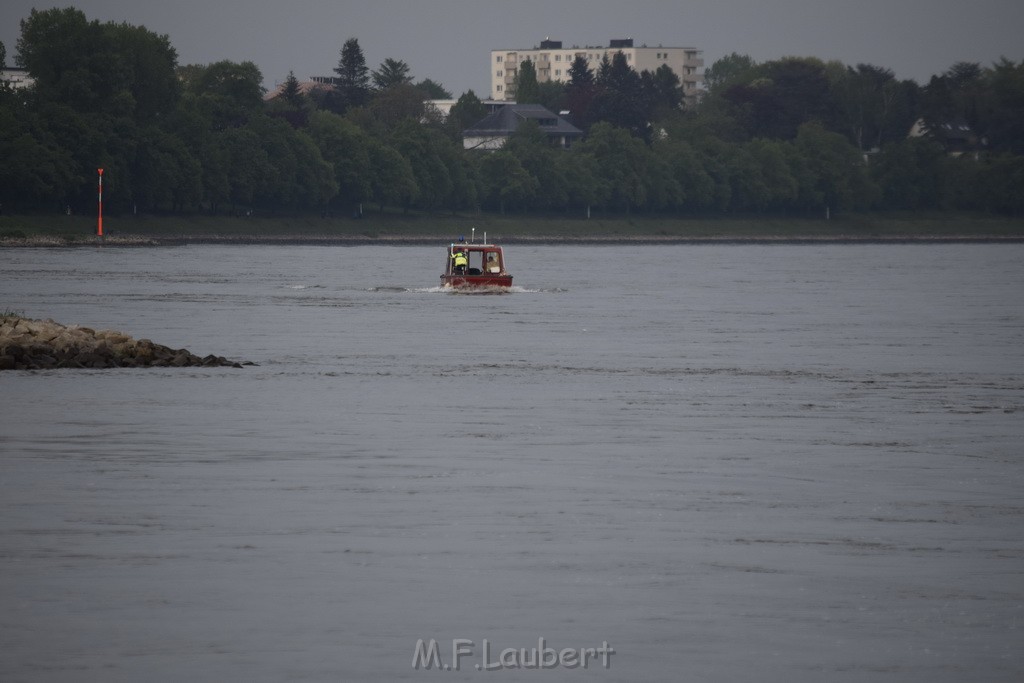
x,y
552,63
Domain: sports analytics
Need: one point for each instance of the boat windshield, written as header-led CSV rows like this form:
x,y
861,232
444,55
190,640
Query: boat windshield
x,y
481,261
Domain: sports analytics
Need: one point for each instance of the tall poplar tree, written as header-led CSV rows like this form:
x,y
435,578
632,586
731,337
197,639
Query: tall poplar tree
x,y
527,90
580,92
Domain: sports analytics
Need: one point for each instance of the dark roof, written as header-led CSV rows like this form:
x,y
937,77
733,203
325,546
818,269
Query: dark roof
x,y
952,130
506,120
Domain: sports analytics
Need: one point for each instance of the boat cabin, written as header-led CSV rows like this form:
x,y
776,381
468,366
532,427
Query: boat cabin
x,y
475,265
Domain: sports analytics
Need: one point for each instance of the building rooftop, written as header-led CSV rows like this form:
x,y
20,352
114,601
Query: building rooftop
x,y
507,119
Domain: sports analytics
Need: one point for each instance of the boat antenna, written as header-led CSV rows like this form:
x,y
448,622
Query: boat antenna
x,y
472,236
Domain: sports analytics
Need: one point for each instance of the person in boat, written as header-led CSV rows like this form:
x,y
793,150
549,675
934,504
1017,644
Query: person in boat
x,y
492,263
459,262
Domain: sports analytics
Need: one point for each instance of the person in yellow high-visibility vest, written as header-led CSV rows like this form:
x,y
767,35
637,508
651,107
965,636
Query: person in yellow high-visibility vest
x,y
459,262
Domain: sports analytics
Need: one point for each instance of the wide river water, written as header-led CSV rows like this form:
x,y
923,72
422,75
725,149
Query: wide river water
x,y
724,463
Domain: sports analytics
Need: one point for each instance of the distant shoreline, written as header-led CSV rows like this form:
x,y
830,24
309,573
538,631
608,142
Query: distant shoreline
x,y
40,241
415,229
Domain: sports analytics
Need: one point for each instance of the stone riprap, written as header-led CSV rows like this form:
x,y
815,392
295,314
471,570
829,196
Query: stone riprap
x,y
27,344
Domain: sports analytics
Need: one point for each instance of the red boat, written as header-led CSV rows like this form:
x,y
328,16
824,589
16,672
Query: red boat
x,y
473,266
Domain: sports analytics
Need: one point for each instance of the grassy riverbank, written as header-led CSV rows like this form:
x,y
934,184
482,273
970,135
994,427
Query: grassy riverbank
x,y
397,226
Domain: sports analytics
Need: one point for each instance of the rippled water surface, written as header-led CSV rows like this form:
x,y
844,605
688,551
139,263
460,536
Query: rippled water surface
x,y
772,463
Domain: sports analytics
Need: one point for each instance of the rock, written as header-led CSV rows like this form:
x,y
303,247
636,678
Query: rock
x,y
44,361
13,349
42,344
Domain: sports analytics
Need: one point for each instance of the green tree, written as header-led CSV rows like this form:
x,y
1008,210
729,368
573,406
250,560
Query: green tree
x,y
249,170
314,180
124,70
580,92
426,150
291,92
585,186
506,184
530,146
292,104
527,90
778,188
662,91
1004,119
227,93
622,162
1002,184
910,174
620,100
392,72
37,171
391,180
955,96
149,62
352,84
464,113
62,51
434,91
871,106
551,95
165,174
792,92
836,177
696,188
347,147
728,71
398,103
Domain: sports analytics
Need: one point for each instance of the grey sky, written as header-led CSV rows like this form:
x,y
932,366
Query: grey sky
x,y
449,40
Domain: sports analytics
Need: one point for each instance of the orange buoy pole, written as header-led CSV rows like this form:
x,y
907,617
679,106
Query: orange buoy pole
x,y
99,219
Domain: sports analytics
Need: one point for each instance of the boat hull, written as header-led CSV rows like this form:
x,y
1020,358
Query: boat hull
x,y
483,281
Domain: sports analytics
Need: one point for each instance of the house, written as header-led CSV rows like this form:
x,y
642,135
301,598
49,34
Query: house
x,y
307,87
956,136
16,78
491,132
444,107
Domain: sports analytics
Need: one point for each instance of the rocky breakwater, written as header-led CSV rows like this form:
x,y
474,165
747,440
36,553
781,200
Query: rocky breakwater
x,y
27,344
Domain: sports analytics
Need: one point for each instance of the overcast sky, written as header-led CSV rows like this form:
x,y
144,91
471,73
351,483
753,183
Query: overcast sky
x,y
449,40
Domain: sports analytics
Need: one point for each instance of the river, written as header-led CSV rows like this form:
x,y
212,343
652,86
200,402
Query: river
x,y
672,463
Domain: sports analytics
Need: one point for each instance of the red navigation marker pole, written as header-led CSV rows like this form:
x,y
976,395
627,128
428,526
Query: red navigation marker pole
x,y
99,222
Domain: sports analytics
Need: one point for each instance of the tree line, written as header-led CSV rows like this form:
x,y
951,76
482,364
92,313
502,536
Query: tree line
x,y
793,136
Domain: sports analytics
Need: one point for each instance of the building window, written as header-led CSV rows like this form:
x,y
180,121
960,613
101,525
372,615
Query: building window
x,y
498,73
498,59
558,72
499,88
558,58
